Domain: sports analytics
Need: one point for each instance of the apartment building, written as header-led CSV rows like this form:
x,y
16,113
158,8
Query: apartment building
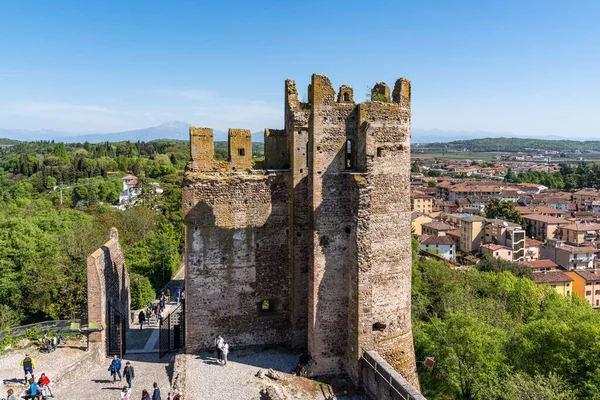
x,y
421,202
557,280
471,231
579,232
532,249
543,226
567,256
508,234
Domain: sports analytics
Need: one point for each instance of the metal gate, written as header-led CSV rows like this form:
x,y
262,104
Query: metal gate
x,y
116,332
172,331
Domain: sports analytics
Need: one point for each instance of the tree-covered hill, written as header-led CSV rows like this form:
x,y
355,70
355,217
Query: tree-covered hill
x,y
516,144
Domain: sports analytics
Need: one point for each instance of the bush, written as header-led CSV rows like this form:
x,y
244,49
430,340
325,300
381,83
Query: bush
x,y
141,291
34,333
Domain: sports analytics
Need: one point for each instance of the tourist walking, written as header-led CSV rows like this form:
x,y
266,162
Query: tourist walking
x,y
46,385
156,392
224,352
141,319
115,368
218,346
28,365
145,395
168,295
183,297
129,373
125,393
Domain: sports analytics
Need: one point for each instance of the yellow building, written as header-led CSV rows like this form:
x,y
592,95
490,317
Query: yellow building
x,y
418,219
591,291
471,231
557,280
421,202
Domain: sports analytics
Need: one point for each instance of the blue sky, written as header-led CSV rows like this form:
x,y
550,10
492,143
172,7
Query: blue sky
x,y
528,67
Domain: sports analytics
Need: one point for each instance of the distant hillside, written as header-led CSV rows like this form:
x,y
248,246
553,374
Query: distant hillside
x,y
8,142
174,130
512,144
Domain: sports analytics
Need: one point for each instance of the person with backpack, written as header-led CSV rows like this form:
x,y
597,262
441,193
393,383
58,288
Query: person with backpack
x,y
28,365
115,368
156,392
142,319
129,373
145,395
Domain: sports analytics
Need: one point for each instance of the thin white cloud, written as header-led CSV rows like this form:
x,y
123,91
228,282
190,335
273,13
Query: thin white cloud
x,y
190,94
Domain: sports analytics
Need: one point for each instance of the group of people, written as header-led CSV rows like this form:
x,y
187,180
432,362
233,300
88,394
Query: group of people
x,y
126,393
222,348
129,375
158,308
37,389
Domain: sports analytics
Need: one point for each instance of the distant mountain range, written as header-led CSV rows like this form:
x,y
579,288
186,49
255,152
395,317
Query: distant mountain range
x,y
177,130
174,130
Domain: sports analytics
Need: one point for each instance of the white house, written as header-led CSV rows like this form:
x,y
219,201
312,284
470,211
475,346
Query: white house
x,y
442,245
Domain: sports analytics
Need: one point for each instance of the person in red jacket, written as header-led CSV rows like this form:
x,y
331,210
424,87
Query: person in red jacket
x,y
46,385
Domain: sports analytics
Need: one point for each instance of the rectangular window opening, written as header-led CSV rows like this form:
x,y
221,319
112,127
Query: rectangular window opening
x,y
241,152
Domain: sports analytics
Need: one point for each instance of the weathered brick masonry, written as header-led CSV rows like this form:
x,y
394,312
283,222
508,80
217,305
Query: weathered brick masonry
x,y
108,285
313,248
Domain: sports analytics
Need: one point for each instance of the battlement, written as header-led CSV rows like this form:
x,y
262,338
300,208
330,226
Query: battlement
x,y
202,150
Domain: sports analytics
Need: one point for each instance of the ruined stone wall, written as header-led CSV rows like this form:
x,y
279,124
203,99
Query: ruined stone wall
x,y
296,128
333,247
237,226
240,149
384,284
108,283
277,153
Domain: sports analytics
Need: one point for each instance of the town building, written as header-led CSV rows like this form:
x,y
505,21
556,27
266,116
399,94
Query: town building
x,y
497,251
567,256
417,221
542,226
442,245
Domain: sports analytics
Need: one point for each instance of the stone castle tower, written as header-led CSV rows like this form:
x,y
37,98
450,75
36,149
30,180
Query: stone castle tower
x,y
311,249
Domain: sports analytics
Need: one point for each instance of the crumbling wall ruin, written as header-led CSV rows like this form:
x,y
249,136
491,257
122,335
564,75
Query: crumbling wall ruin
x,y
108,287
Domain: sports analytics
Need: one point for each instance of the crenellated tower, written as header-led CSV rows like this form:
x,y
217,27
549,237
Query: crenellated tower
x,y
311,247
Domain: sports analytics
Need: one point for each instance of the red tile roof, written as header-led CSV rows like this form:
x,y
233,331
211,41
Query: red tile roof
x,y
551,277
541,264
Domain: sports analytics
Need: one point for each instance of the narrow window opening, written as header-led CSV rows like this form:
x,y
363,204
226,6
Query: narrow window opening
x,y
265,305
346,97
350,156
242,152
379,326
379,152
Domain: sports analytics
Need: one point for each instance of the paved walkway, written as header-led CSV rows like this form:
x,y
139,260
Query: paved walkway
x,y
206,379
145,340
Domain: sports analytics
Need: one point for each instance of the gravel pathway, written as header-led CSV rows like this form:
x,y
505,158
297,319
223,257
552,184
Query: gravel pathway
x,y
96,383
206,379
52,364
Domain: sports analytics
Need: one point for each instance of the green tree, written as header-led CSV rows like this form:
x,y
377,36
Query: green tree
x,y
496,208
